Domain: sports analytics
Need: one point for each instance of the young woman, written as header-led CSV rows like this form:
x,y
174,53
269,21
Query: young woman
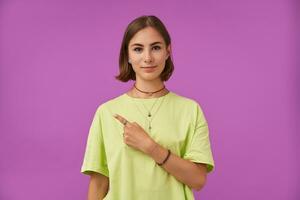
x,y
148,143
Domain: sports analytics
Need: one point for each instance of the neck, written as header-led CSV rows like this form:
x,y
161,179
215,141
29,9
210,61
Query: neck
x,y
148,86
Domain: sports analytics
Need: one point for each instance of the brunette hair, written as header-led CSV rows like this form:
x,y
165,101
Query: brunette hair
x,y
126,71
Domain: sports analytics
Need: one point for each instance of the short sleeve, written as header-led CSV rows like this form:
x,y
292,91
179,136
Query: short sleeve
x,y
198,149
95,157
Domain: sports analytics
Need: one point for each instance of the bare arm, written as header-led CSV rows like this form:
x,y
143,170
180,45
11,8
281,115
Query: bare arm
x,y
187,172
98,186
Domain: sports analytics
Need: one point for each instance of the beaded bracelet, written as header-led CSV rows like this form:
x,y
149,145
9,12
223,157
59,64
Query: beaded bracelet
x,y
169,153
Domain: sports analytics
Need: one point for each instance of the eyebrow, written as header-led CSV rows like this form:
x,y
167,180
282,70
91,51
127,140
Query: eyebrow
x,y
154,43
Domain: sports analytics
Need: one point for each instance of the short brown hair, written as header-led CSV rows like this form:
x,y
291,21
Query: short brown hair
x,y
126,71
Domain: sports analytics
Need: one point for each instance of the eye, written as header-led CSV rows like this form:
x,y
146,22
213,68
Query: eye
x,y
137,49
157,47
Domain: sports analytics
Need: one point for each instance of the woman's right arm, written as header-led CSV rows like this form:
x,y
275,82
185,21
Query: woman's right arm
x,y
98,186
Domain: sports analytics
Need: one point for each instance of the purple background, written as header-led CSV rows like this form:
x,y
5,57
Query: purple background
x,y
237,58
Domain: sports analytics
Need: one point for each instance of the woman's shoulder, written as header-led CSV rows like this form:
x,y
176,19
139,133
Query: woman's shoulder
x,y
113,101
191,105
185,100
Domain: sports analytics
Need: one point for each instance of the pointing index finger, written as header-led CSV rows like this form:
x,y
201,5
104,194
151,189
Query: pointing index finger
x,y
120,118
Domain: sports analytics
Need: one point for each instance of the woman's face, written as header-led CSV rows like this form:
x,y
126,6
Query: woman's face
x,y
148,53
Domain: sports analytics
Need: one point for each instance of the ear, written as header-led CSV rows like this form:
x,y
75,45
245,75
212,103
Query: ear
x,y
168,51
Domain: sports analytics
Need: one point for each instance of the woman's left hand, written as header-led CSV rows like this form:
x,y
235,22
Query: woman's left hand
x,y
135,136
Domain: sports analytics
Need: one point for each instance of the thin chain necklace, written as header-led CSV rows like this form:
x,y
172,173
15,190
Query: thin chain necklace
x,y
151,93
152,116
149,111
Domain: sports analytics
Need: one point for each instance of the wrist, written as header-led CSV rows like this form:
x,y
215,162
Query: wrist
x,y
150,147
165,160
158,153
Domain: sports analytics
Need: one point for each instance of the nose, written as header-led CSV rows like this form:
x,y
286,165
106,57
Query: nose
x,y
148,57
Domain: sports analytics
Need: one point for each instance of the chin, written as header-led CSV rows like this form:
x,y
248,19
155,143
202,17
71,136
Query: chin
x,y
149,77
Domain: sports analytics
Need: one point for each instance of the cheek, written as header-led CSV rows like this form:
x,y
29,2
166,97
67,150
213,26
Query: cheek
x,y
160,57
136,60
134,56
161,61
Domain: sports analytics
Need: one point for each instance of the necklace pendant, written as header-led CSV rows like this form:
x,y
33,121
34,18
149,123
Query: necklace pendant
x,y
149,115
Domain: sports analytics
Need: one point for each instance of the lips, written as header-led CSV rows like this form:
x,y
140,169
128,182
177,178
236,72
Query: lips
x,y
151,67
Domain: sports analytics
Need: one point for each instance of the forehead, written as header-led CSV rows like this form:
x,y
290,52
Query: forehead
x,y
146,36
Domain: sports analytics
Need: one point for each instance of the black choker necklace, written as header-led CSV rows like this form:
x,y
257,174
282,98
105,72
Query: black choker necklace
x,y
149,92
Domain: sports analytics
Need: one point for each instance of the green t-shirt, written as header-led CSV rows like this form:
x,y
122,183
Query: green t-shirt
x,y
177,123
